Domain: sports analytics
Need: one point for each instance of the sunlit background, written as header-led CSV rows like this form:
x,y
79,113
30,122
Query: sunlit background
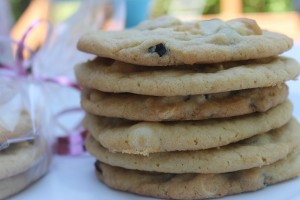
x,y
275,15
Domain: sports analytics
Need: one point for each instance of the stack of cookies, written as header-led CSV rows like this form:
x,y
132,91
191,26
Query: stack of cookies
x,y
190,110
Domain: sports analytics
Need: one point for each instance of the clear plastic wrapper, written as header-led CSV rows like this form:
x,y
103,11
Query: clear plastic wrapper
x,y
37,88
25,140
56,60
24,134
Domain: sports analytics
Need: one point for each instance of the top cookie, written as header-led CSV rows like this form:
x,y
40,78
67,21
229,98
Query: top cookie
x,y
167,41
23,125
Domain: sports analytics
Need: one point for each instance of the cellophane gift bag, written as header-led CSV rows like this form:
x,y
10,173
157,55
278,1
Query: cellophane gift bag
x,y
58,56
24,132
24,124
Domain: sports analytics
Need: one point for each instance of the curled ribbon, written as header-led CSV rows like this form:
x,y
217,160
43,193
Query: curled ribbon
x,y
73,143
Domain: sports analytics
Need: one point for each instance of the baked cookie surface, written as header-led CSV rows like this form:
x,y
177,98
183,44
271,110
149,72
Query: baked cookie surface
x,y
198,186
118,77
256,151
17,182
22,126
192,107
168,41
131,137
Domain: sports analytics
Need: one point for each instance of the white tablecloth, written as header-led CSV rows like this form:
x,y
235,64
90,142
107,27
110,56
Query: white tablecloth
x,y
73,177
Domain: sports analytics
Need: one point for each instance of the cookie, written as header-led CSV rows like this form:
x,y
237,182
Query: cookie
x,y
168,41
256,151
19,157
124,136
16,183
117,77
22,126
198,186
21,165
192,107
24,162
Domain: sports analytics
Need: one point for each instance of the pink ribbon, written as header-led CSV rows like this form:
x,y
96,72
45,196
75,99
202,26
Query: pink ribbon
x,y
73,143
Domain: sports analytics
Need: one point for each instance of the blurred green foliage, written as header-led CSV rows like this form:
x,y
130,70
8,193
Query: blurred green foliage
x,y
267,5
211,7
160,7
18,7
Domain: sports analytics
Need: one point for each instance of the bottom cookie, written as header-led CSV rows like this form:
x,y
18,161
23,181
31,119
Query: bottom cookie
x,y
198,186
16,183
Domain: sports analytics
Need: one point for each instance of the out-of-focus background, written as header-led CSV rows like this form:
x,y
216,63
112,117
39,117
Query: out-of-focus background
x,y
276,15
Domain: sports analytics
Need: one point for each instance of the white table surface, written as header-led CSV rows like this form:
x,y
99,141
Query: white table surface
x,y
72,177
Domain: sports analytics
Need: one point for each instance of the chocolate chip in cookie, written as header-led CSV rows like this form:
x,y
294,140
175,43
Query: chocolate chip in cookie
x,y
160,49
